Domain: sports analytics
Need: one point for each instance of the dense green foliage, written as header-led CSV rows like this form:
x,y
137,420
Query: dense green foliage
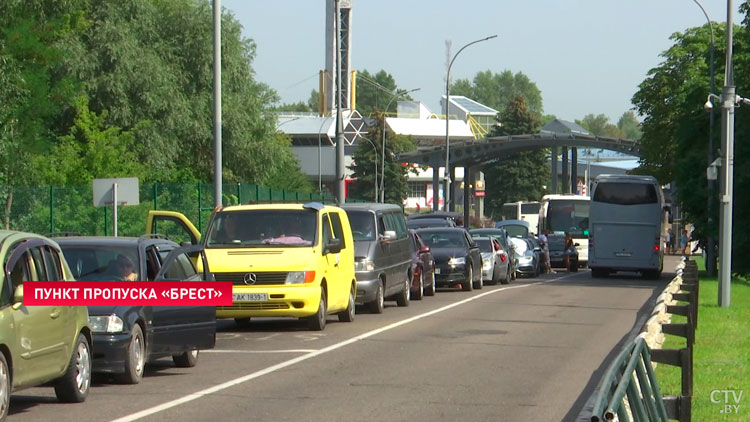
x,y
100,88
497,90
375,92
518,176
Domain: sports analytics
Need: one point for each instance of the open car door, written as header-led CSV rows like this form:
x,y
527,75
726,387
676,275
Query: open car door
x,y
174,225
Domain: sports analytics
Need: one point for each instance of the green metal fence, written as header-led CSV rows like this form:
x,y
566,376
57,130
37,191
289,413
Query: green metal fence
x,y
45,209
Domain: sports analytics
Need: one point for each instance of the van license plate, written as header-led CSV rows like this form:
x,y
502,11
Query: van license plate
x,y
437,270
249,297
625,254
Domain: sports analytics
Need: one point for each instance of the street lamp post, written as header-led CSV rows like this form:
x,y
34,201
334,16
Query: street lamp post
x,y
382,156
710,245
447,120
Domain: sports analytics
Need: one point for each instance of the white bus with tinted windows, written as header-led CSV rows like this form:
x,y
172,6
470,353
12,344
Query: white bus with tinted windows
x,y
562,214
627,225
526,211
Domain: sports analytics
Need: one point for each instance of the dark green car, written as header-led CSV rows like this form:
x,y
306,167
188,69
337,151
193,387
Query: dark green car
x,y
39,344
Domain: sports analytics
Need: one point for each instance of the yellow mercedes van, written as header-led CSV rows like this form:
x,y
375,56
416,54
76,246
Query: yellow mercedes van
x,y
284,260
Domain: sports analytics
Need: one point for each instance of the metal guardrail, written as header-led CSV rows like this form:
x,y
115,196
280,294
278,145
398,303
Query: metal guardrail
x,y
629,390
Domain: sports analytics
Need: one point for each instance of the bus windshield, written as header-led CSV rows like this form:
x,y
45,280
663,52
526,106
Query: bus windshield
x,y
568,216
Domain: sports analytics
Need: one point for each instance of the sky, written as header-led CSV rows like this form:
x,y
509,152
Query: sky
x,y
585,56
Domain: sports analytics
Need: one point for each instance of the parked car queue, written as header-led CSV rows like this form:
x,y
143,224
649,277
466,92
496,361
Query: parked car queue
x,y
356,249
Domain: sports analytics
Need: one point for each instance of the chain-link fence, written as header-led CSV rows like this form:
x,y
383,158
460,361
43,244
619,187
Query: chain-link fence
x,y
47,209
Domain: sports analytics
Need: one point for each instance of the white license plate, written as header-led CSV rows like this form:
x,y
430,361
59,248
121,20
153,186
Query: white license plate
x,y
249,297
625,254
437,270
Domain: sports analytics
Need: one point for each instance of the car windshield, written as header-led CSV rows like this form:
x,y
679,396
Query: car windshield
x,y
516,230
259,228
102,262
363,224
555,243
443,240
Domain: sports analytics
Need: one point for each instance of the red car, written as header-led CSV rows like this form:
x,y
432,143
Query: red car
x,y
422,268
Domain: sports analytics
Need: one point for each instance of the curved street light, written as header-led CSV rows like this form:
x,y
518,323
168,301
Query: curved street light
x,y
710,245
382,156
447,134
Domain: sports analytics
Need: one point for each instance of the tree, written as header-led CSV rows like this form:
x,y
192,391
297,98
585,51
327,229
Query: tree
x,y
599,125
497,90
630,126
367,156
376,91
518,176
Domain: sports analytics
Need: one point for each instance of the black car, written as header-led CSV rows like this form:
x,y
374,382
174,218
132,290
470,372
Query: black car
x,y
456,217
125,338
557,252
424,223
457,257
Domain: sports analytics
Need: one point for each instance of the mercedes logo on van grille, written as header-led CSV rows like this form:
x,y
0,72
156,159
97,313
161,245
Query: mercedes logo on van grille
x,y
250,278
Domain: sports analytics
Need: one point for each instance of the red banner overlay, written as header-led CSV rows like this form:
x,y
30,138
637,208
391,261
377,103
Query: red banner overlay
x,y
127,293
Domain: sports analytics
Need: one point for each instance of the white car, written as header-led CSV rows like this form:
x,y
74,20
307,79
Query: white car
x,y
495,262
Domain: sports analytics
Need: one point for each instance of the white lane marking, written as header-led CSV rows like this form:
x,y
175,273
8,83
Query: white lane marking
x,y
259,351
282,365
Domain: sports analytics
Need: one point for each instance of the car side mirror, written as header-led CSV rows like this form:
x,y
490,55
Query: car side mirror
x,y
388,236
424,249
18,298
333,246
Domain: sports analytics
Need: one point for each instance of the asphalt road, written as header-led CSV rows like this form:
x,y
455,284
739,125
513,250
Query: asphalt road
x,y
532,350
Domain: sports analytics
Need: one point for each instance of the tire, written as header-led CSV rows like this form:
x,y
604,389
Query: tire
x,y
242,322
402,299
317,322
419,294
347,315
5,387
495,276
468,285
479,284
73,386
377,305
506,280
136,359
187,359
431,290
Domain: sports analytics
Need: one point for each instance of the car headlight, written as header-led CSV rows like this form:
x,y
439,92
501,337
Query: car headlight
x,y
106,324
299,277
364,264
457,261
486,263
525,259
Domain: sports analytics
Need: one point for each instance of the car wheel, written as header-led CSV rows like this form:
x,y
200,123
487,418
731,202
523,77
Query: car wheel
x,y
186,359
419,294
73,386
317,322
506,280
136,358
347,315
431,290
468,285
402,299
377,305
242,322
479,284
5,387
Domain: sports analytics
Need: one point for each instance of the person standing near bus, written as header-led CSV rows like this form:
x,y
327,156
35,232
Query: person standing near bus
x,y
543,240
668,240
568,246
684,242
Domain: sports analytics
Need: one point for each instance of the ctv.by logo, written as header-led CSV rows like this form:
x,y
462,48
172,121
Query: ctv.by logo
x,y
730,399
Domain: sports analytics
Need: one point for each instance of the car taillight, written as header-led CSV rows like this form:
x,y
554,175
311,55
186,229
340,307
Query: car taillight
x,y
502,257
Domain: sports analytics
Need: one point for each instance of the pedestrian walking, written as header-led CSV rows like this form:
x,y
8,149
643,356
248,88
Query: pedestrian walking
x,y
568,246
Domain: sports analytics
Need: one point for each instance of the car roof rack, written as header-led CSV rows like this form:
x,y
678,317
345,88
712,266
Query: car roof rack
x,y
63,234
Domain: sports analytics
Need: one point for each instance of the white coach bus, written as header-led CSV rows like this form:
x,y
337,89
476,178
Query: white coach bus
x,y
526,211
567,213
627,225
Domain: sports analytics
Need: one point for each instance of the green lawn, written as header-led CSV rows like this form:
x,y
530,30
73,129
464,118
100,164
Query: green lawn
x,y
721,359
